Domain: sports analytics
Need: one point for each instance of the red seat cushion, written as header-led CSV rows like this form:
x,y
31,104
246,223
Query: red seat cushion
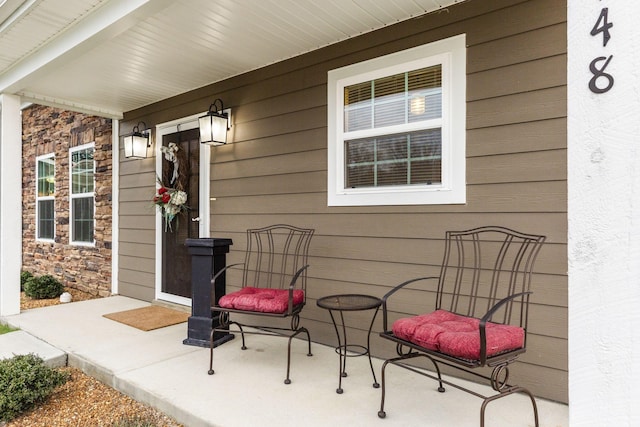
x,y
457,335
261,299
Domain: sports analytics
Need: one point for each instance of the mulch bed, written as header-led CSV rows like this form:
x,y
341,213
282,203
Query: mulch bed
x,y
83,400
27,303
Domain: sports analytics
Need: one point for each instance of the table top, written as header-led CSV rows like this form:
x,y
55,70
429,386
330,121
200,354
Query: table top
x,y
349,302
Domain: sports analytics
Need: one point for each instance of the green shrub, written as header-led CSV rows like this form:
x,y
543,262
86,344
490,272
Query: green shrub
x,y
42,287
24,277
25,381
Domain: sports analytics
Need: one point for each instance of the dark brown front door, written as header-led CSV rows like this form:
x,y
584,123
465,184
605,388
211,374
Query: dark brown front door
x,y
181,172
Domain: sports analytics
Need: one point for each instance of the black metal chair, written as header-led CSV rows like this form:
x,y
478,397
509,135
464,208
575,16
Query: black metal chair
x,y
481,311
274,282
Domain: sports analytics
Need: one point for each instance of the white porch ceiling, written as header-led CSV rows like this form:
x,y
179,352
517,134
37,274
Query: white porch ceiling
x,y
107,57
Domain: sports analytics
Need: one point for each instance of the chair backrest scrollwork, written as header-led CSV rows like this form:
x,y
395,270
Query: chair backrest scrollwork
x,y
483,265
275,255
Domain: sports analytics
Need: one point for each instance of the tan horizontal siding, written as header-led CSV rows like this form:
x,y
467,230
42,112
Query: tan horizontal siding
x,y
143,179
507,80
349,273
137,222
275,171
530,167
135,167
289,163
517,19
521,107
139,278
137,263
508,197
394,249
538,355
138,250
548,134
137,195
314,139
136,206
402,224
544,42
293,183
136,288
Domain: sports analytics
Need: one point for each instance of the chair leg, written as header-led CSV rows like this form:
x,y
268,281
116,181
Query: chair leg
x,y
244,346
299,330
287,380
410,355
381,412
533,404
511,390
306,331
211,371
498,379
211,342
441,388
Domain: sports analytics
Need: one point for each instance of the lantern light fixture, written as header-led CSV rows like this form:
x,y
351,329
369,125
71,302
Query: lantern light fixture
x,y
138,142
215,124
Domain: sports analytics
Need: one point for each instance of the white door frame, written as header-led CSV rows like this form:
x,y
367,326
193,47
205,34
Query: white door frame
x,y
185,123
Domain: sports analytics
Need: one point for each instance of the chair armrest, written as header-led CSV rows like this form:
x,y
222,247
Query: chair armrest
x,y
393,291
487,317
294,279
215,276
292,285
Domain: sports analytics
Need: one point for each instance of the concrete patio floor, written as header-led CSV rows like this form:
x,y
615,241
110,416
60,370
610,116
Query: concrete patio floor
x,y
247,389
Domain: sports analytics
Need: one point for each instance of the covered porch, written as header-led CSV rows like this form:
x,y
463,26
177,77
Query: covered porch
x,y
547,152
247,389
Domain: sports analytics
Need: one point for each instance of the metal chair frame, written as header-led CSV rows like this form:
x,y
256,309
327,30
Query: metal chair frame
x,y
277,258
486,274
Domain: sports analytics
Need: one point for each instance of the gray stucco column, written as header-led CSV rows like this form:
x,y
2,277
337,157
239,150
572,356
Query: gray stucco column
x,y
10,204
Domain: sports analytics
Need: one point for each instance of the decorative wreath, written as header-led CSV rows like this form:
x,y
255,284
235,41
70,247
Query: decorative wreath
x,y
171,199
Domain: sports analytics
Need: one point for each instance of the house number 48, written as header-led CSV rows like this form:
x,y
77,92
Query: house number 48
x,y
600,64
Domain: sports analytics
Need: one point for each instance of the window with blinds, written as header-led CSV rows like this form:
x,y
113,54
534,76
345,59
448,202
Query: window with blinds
x,y
397,128
384,158
82,171
45,197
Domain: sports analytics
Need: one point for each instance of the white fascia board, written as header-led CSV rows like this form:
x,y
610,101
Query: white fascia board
x,y
65,104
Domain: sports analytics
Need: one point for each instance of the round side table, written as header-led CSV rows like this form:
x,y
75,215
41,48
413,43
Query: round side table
x,y
350,302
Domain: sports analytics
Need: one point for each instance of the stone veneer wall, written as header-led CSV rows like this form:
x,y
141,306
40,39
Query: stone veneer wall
x,y
50,130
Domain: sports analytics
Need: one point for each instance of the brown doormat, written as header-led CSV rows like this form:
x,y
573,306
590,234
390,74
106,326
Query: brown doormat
x,y
149,318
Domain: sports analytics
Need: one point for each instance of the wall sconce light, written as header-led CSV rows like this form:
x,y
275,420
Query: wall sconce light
x,y
137,143
215,124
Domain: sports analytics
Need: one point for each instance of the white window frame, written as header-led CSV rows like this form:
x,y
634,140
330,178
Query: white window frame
x,y
43,198
81,196
451,54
